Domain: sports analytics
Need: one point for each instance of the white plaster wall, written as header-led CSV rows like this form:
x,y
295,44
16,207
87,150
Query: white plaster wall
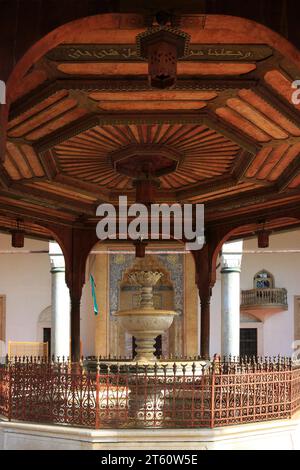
x,y
278,329
25,280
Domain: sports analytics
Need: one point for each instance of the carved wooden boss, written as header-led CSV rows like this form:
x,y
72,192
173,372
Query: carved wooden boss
x,y
162,46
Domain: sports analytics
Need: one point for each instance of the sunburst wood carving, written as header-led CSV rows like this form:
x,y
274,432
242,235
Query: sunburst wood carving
x,y
205,153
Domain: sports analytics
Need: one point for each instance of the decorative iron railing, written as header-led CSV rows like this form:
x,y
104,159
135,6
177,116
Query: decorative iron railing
x,y
264,298
163,395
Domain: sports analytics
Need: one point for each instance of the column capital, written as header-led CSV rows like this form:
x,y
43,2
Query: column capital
x,y
230,292
57,269
231,257
57,259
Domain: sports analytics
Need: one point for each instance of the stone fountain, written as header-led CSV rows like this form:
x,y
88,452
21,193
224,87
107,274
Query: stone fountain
x,y
145,323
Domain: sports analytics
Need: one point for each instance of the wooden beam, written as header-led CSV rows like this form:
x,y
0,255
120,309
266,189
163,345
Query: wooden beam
x,y
48,88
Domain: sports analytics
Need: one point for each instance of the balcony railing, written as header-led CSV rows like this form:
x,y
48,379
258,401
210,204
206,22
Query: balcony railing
x,y
163,395
264,298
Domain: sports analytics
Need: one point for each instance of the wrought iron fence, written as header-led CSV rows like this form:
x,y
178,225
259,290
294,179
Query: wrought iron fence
x,y
184,394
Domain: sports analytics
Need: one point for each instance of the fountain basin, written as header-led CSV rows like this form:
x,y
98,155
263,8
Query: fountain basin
x,y
145,325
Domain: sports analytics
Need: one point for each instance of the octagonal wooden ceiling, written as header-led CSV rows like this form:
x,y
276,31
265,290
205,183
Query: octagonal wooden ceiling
x,y
230,117
206,153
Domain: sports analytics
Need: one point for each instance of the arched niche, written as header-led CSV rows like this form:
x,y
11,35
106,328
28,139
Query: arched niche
x,y
163,291
168,293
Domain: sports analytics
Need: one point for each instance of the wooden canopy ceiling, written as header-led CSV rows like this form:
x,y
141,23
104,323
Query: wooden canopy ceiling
x,y
227,135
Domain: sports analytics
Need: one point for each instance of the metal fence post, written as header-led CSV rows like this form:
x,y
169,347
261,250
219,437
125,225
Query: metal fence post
x,y
212,395
291,388
97,415
9,411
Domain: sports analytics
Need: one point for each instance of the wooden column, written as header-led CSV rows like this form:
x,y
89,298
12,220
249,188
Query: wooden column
x,y
205,325
76,244
205,261
204,283
75,328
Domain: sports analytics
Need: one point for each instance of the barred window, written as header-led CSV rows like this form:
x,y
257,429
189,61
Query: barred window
x,y
248,342
263,280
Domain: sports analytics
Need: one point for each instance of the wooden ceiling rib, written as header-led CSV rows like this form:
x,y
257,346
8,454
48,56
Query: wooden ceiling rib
x,y
183,68
158,95
37,121
214,68
271,112
258,162
37,108
283,163
32,160
256,118
243,124
281,85
150,105
271,162
57,189
227,134
209,196
21,161
9,205
296,182
52,125
275,204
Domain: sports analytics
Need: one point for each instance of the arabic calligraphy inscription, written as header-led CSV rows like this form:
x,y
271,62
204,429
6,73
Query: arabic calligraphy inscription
x,y
124,53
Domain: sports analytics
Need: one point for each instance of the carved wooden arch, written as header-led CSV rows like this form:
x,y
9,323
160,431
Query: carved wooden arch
x,y
244,229
217,236
76,245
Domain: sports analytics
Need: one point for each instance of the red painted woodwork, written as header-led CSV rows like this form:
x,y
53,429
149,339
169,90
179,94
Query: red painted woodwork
x,y
227,135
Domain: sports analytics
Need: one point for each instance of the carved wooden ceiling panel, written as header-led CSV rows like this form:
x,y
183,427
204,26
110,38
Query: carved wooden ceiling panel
x,y
227,134
205,153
